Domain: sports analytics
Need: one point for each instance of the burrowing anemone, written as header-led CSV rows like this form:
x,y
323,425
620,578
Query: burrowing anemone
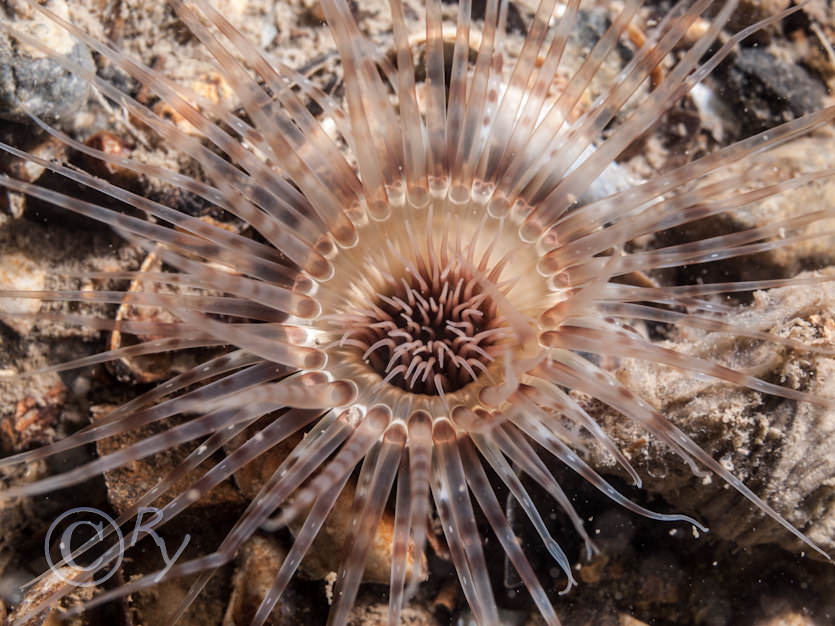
x,y
428,280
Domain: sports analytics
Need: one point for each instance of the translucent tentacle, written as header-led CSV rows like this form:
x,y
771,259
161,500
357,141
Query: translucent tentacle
x,y
453,501
483,492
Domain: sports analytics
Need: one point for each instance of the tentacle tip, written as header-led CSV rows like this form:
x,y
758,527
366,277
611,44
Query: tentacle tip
x,y
569,585
699,526
700,473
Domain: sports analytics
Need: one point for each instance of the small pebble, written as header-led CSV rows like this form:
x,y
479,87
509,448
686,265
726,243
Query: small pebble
x,y
31,82
20,273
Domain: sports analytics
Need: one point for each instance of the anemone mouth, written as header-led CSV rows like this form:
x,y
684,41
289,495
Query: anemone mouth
x,y
435,331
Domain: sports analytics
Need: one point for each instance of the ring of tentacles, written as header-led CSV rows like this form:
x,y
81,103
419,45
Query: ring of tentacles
x,y
419,309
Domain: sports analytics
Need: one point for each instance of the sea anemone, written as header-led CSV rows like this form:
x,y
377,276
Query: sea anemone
x,y
434,274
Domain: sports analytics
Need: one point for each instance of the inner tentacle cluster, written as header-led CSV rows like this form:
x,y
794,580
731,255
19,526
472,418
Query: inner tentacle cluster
x,y
434,332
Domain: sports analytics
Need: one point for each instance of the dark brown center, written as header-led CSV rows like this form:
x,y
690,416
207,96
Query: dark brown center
x,y
434,332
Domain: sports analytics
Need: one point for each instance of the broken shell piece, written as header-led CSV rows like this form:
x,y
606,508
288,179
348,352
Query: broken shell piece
x,y
170,114
45,588
256,567
19,272
143,369
33,420
211,87
154,367
111,144
49,149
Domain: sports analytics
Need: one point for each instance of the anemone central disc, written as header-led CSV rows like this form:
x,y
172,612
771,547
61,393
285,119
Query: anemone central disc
x,y
425,312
